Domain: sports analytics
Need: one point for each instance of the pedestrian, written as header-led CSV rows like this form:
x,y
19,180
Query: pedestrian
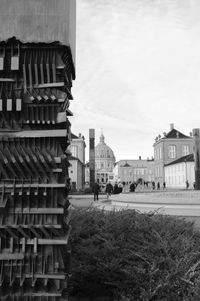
x,y
153,185
116,189
96,191
120,187
187,184
164,185
132,187
158,185
109,189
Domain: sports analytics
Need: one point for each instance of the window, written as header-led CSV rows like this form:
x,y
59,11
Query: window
x,y
74,150
185,149
172,151
160,149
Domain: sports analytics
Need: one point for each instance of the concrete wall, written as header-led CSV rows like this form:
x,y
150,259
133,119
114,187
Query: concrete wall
x,y
80,149
39,21
73,171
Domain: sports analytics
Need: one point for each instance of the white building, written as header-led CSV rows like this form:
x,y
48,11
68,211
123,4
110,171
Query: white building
x,y
133,170
77,162
104,162
180,171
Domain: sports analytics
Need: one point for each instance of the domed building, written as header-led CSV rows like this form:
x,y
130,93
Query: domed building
x,y
104,162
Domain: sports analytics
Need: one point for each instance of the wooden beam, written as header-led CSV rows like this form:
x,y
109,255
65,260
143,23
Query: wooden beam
x,y
46,241
11,256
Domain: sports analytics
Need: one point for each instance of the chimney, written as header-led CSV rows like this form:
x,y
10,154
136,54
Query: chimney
x,y
140,158
171,126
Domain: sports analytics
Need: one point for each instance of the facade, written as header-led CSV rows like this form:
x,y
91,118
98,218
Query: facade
x,y
133,170
104,162
77,162
172,146
36,70
180,171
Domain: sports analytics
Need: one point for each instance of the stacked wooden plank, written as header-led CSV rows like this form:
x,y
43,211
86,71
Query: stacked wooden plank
x,y
35,91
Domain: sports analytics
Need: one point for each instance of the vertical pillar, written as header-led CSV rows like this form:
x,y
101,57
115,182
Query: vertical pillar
x,y
92,156
196,135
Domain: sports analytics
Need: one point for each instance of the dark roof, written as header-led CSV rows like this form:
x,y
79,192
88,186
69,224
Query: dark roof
x,y
187,158
175,134
74,136
126,165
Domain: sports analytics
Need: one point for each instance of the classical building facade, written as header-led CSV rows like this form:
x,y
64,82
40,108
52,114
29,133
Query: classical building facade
x,y
104,162
77,162
180,171
133,170
172,146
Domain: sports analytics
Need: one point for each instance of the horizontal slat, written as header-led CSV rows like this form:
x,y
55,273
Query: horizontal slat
x,y
50,85
3,79
15,256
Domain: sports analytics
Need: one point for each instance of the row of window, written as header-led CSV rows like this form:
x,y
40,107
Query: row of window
x,y
158,171
171,151
175,180
136,171
103,154
175,168
101,165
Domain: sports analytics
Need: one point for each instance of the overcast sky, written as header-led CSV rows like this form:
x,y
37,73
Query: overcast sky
x,y
138,70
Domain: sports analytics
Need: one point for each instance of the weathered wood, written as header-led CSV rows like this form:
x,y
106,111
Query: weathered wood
x,y
11,256
196,135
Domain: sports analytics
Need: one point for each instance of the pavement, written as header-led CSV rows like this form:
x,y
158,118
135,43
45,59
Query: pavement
x,y
182,203
86,200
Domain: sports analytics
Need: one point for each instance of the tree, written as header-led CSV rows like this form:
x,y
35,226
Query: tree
x,y
132,256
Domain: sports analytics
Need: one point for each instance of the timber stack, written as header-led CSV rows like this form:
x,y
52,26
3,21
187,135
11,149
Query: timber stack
x,y
37,42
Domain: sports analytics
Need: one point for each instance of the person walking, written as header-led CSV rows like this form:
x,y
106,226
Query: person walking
x,y
109,189
96,191
116,189
158,185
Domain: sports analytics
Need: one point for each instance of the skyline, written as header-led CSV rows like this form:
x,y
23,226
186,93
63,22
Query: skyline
x,y
138,71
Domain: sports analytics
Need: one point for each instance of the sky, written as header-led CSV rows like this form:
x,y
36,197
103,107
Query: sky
x,y
137,71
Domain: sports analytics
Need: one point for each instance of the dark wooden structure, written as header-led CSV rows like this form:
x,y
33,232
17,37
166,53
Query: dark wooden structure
x,y
35,93
196,135
92,156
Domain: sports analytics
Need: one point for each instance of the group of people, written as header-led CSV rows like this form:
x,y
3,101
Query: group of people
x,y
117,188
146,185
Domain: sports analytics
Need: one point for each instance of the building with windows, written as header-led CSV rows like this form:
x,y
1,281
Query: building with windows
x,y
132,170
172,146
104,162
180,171
77,162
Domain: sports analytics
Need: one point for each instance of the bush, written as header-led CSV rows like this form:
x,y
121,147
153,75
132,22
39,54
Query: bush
x,y
131,256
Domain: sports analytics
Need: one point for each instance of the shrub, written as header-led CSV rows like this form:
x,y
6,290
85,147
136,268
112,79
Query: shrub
x,y
131,256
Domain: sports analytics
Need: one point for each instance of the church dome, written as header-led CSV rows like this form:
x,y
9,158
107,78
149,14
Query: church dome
x,y
103,151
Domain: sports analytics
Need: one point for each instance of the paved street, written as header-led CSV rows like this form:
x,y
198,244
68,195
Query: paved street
x,y
177,203
85,200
